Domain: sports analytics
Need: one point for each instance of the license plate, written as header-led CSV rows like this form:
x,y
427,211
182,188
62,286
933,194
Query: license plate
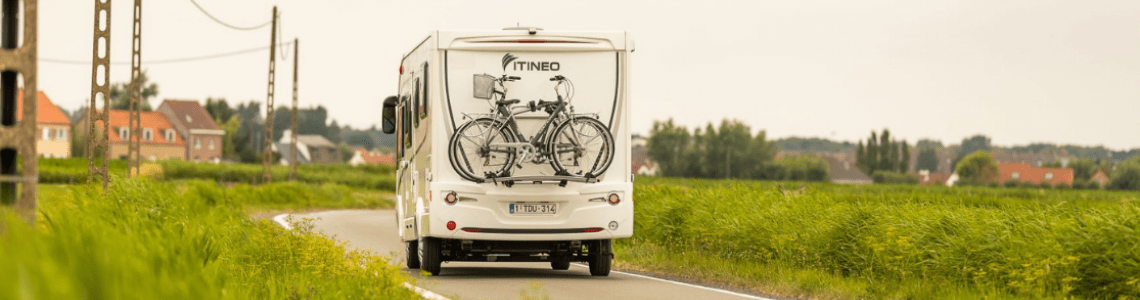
x,y
533,208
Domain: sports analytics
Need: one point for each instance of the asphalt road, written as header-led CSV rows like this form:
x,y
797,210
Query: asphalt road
x,y
376,230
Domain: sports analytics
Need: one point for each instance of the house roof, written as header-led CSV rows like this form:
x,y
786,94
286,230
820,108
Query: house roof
x,y
148,119
376,158
46,111
933,178
842,171
314,140
1035,175
191,114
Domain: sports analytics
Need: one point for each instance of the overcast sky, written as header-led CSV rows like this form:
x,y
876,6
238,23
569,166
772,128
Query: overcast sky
x,y
1018,71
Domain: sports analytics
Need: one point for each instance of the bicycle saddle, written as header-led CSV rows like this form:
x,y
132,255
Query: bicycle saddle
x,y
507,102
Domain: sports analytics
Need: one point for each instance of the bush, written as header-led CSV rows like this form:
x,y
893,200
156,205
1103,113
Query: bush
x,y
800,168
1126,176
149,240
1011,183
893,178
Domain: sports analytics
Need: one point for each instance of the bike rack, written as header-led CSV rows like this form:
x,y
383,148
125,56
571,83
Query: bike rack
x,y
508,181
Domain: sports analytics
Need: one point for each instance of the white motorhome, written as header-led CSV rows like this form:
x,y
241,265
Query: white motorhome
x,y
513,146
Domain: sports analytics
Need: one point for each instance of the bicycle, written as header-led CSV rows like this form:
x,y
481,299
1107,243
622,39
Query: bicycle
x,y
490,144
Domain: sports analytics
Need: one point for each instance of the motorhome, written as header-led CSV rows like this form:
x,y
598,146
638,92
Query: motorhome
x,y
513,146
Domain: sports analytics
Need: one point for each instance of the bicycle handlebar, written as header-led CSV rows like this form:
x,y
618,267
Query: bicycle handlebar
x,y
557,78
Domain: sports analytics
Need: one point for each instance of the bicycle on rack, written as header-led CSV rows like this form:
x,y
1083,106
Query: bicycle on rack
x,y
490,144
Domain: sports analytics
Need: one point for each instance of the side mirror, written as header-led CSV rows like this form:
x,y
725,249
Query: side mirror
x,y
389,119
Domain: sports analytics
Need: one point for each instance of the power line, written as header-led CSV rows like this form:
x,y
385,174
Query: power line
x,y
165,61
224,23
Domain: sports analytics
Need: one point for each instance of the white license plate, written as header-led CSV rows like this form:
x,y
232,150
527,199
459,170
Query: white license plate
x,y
533,208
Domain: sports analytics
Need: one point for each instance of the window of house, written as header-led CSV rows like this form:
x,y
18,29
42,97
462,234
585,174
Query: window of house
x,y
1016,175
61,134
197,143
148,134
1049,176
211,147
169,135
47,134
124,132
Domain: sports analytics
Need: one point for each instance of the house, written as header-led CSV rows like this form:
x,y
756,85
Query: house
x,y
843,171
311,148
1025,173
361,156
53,127
925,177
1033,159
645,168
159,139
196,126
1100,178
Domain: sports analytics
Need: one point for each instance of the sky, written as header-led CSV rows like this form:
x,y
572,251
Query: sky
x,y
1065,72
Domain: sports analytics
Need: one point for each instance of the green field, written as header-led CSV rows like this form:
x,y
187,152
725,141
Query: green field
x,y
186,240
888,241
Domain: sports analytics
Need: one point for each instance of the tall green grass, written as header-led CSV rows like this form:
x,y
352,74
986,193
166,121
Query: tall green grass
x,y
891,241
372,177
190,240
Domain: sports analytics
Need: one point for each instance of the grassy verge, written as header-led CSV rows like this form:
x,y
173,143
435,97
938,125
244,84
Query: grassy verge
x,y
889,242
186,240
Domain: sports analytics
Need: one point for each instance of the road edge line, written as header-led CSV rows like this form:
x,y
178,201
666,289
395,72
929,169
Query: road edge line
x,y
722,291
426,294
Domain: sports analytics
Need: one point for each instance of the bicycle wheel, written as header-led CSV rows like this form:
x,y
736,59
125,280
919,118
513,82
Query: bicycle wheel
x,y
472,154
581,146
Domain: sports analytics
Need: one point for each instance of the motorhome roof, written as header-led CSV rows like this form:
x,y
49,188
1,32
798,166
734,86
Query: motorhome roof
x,y
458,39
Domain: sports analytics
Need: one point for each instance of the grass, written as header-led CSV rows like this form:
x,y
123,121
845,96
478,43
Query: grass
x,y
184,240
889,241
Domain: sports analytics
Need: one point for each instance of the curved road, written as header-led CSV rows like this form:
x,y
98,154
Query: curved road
x,y
375,230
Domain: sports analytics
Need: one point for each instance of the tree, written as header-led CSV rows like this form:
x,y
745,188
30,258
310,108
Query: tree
x,y
229,139
904,161
928,143
667,143
971,145
1127,175
927,160
121,99
881,153
977,168
219,109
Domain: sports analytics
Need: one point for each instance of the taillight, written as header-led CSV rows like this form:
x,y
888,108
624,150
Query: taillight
x,y
450,225
592,230
401,70
614,199
451,198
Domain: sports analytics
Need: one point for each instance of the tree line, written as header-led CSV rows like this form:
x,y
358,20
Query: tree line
x,y
727,151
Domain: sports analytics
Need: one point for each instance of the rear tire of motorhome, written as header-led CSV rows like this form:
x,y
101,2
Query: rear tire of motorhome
x,y
560,265
467,142
430,255
601,255
596,145
413,255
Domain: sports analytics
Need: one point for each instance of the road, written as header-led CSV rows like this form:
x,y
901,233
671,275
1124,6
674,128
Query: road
x,y
375,230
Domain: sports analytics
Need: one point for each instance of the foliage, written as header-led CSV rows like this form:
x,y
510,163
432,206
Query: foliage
x,y
1127,175
977,169
728,152
800,168
149,240
893,178
121,98
812,145
1083,169
889,241
928,143
927,160
883,154
371,177
972,144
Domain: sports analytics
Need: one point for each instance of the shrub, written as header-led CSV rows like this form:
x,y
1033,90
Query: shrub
x,y
893,178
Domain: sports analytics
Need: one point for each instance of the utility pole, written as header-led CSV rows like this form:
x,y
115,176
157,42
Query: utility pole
x,y
267,146
293,126
100,89
18,140
135,123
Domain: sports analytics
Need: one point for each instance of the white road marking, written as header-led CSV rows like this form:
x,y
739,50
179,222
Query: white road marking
x,y
685,284
280,219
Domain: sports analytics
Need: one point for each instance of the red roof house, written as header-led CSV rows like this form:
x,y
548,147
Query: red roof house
x,y
53,127
1025,173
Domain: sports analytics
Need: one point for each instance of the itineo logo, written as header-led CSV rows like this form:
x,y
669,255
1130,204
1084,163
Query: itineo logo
x,y
519,65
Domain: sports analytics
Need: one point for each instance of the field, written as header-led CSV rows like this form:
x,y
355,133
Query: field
x,y
74,170
187,239
888,241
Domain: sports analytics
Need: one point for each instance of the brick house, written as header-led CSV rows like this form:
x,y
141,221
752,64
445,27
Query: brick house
x,y
204,137
53,127
1025,173
159,139
361,156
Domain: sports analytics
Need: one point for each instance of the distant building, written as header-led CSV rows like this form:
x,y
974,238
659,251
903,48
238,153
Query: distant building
x,y
311,148
1100,178
196,126
361,156
53,127
1025,173
843,171
925,177
159,139
1032,159
645,168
